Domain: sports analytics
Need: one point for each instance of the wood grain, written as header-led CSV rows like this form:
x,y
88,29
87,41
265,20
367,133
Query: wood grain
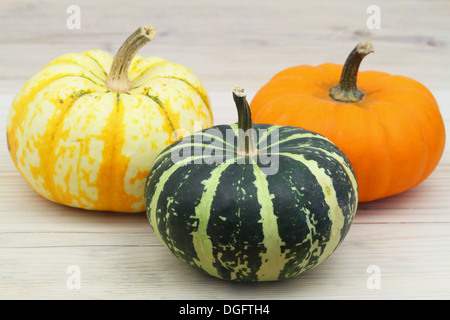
x,y
225,43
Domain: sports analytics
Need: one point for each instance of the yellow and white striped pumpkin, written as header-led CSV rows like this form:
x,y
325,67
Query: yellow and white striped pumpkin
x,y
86,138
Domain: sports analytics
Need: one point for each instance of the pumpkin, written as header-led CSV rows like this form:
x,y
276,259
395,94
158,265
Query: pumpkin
x,y
85,130
249,201
389,126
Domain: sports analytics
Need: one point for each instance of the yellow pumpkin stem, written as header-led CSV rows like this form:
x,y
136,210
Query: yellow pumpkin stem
x,y
346,90
246,139
117,80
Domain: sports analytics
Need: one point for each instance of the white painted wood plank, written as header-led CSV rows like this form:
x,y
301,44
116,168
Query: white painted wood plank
x,y
412,264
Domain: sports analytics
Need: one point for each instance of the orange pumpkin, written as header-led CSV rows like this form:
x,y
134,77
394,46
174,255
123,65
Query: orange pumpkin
x,y
389,126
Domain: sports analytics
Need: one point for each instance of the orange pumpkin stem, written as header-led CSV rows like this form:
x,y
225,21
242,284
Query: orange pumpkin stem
x,y
117,80
346,90
246,139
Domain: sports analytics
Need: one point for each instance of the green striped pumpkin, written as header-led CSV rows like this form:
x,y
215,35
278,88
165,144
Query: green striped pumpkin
x,y
220,207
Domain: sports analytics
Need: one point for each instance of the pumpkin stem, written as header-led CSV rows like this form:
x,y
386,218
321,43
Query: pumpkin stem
x,y
117,80
346,90
246,139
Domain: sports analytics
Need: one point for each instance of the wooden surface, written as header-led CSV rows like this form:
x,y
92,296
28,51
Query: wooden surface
x,y
405,237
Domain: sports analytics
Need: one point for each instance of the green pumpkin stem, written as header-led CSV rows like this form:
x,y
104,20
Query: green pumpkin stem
x,y
246,139
346,90
117,80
